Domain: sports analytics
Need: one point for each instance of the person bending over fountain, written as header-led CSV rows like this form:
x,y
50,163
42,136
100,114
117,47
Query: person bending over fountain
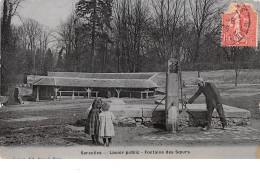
x,y
213,100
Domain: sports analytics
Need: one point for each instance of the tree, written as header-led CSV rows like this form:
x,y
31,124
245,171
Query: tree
x,y
130,29
46,37
137,29
97,15
33,40
38,62
33,30
240,57
167,31
120,25
67,41
205,18
9,10
60,63
19,52
48,62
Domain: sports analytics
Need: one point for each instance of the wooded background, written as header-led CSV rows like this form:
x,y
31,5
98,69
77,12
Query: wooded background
x,y
120,36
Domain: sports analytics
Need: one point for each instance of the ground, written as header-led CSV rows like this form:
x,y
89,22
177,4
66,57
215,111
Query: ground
x,y
54,123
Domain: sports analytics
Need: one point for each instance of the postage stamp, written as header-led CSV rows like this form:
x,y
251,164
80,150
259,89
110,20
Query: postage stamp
x,y
87,79
239,26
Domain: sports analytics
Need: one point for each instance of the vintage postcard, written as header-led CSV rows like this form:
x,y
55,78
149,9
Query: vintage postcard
x,y
129,79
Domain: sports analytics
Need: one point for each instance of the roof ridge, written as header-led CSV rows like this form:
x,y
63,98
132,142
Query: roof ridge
x,y
150,80
39,80
125,83
154,75
80,78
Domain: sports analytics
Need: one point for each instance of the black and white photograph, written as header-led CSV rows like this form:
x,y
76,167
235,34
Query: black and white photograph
x,y
129,79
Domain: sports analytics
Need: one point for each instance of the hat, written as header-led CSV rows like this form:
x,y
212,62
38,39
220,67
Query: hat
x,y
199,80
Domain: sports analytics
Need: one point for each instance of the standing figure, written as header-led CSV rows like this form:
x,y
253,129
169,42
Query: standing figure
x,y
92,123
213,100
106,127
237,27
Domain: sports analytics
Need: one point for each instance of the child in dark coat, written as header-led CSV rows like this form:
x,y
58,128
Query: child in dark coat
x,y
92,123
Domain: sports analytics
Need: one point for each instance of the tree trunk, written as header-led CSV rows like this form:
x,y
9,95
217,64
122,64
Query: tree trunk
x,y
236,62
5,48
93,38
118,56
196,55
103,58
236,78
106,56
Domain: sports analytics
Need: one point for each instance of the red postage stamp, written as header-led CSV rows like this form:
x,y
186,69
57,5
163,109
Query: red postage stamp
x,y
240,26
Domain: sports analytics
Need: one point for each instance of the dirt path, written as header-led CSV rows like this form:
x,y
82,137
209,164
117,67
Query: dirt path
x,y
54,124
60,127
67,135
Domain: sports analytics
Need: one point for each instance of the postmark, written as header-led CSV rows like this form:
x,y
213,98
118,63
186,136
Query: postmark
x,y
239,26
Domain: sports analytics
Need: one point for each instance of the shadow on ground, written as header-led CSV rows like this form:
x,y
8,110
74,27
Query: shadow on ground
x,y
79,141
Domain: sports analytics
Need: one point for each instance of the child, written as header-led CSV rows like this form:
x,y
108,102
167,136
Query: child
x,y
92,123
106,128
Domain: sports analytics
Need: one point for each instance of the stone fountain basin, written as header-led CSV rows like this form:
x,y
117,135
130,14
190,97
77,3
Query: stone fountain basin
x,y
233,115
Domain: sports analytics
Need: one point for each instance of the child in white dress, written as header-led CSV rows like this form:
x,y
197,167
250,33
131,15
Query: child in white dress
x,y
106,127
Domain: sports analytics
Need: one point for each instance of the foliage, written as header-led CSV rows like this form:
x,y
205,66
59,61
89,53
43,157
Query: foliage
x,y
8,45
97,17
121,36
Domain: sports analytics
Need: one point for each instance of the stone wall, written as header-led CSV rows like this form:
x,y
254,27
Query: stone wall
x,y
196,119
134,115
185,119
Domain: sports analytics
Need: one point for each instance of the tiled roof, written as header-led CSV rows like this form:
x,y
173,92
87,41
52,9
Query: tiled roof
x,y
47,81
102,75
95,83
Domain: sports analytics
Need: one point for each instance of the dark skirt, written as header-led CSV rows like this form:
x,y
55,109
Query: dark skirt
x,y
92,123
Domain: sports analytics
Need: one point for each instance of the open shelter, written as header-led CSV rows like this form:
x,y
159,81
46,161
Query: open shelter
x,y
58,85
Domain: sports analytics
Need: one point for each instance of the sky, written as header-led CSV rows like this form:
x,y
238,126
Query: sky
x,y
46,12
51,12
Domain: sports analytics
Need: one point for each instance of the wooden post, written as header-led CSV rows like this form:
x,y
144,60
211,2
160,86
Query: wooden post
x,y
89,91
56,90
118,92
172,95
37,94
73,95
147,93
55,94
